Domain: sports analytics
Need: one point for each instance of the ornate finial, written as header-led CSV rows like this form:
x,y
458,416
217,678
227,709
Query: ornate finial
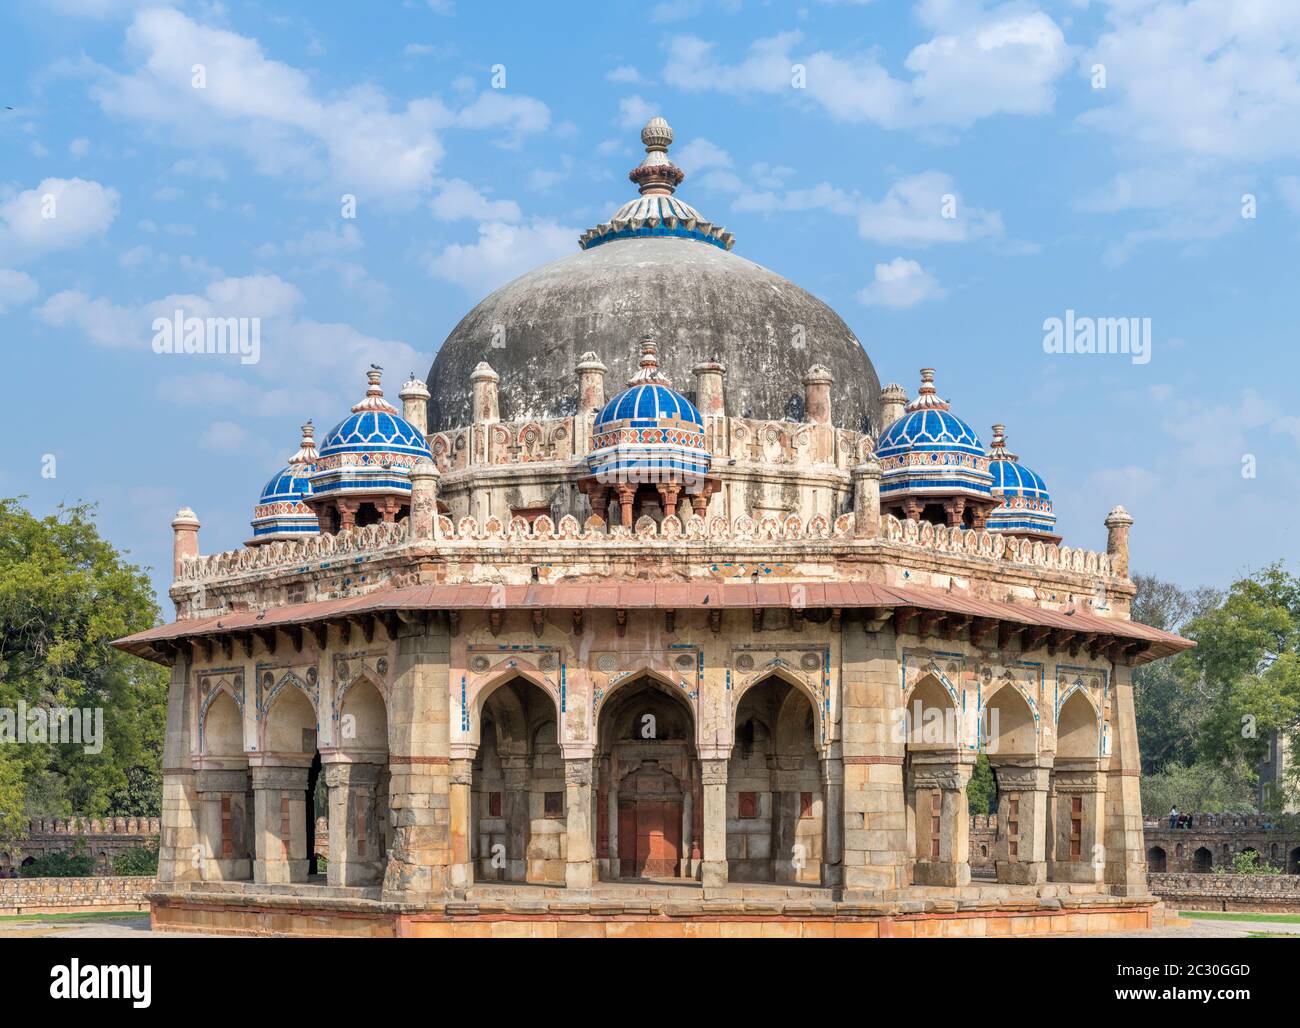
x,y
307,447
649,370
998,449
657,174
414,389
1118,516
926,397
374,399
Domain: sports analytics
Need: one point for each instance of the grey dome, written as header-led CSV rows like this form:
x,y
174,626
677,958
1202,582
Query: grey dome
x,y
699,301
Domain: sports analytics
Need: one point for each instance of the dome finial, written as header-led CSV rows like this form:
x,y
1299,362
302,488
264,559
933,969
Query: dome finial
x,y
998,448
649,369
374,399
657,175
307,447
926,397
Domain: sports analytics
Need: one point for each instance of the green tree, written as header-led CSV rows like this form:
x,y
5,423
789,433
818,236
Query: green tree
x,y
1248,654
139,860
982,789
65,594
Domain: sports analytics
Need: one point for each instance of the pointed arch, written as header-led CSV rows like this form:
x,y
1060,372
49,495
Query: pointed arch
x,y
1078,727
782,671
221,726
931,716
290,713
503,674
1008,724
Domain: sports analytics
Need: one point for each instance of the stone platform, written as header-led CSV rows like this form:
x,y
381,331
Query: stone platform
x,y
649,910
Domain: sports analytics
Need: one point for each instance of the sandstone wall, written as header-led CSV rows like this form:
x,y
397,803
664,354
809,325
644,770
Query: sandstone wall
x,y
1274,893
65,895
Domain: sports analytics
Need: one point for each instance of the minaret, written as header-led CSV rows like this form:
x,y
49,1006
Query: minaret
x,y
415,404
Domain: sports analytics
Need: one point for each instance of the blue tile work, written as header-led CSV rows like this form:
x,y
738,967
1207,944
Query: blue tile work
x,y
1026,507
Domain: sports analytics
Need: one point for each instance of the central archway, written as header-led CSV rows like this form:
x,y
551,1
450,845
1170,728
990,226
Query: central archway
x,y
648,806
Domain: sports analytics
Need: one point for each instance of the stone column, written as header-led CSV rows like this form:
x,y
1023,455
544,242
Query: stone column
x,y
180,850
354,824
483,384
419,764
1118,522
866,500
579,868
875,854
224,820
893,400
938,789
1019,849
817,395
611,821
713,776
832,775
415,404
280,799
461,871
424,500
1126,862
514,805
185,539
591,398
1079,799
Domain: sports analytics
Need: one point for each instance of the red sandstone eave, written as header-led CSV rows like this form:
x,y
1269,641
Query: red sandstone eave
x,y
156,643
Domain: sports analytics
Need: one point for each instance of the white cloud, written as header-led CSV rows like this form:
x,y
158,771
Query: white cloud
x,y
79,147
699,155
978,64
16,289
900,283
355,139
634,112
624,73
1202,77
59,214
503,252
912,213
459,200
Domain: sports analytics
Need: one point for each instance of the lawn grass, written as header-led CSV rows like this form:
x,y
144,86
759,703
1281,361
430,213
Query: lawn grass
x,y
1236,915
92,915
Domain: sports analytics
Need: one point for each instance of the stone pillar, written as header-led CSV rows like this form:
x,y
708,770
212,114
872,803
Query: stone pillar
x,y
893,399
875,854
354,824
709,397
419,787
514,806
817,395
461,871
280,824
938,791
1079,802
866,500
222,797
832,776
611,822
591,398
415,404
626,496
185,539
424,500
483,383
1118,522
1020,847
579,867
1126,862
713,776
180,850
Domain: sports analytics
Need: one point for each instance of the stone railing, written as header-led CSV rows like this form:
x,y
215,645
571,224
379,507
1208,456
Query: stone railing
x,y
1191,891
744,530
95,826
1229,823
58,895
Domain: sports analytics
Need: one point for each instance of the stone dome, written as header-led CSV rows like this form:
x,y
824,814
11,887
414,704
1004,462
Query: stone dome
x,y
656,268
281,511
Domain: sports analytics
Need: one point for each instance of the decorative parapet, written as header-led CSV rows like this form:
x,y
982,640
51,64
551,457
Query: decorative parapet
x,y
385,537
95,826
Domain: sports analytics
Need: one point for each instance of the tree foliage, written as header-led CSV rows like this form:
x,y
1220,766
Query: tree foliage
x,y
65,594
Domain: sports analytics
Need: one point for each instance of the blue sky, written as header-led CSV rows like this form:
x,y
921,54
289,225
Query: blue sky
x,y
824,135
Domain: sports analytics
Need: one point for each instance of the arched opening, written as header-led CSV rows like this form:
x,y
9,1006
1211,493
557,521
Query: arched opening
x,y
223,728
1203,860
931,718
1293,862
649,805
1076,729
1156,859
1008,728
518,824
290,741
774,799
363,800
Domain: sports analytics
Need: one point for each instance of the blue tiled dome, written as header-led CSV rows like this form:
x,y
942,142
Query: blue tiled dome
x,y
1026,507
371,450
650,403
649,431
282,511
930,454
